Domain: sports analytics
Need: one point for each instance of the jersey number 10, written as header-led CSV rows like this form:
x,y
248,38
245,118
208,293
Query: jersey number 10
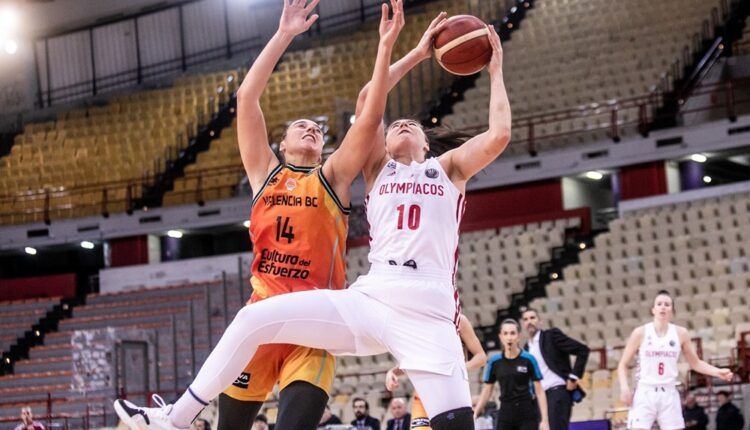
x,y
415,213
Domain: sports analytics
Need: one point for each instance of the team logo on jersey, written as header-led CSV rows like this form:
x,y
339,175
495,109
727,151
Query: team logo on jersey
x,y
522,369
242,381
431,173
291,184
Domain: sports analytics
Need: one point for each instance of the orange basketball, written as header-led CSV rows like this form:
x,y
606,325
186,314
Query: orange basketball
x,y
461,46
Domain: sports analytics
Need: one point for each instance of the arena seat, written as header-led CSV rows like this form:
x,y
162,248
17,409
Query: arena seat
x,y
19,316
584,55
698,251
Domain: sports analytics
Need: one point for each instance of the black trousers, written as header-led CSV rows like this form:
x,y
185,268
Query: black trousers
x,y
518,416
559,407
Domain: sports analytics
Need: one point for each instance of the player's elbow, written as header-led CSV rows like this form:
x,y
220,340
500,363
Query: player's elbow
x,y
497,140
482,357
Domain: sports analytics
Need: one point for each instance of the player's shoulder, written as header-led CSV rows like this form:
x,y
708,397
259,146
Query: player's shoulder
x,y
681,331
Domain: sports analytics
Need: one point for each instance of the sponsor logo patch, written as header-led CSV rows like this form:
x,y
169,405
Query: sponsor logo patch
x,y
522,369
242,381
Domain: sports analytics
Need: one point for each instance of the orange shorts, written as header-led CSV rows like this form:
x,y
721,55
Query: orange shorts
x,y
283,364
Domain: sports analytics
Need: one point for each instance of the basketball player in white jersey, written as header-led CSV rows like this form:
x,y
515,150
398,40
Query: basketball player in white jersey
x,y
659,344
407,304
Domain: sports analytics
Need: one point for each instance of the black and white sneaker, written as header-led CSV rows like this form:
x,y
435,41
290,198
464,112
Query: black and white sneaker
x,y
138,418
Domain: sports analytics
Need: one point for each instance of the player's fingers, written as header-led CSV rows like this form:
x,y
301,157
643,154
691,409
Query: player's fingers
x,y
440,25
309,8
383,12
310,21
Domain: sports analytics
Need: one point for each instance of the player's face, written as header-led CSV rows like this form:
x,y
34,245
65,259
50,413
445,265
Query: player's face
x,y
530,321
663,307
509,335
405,136
303,137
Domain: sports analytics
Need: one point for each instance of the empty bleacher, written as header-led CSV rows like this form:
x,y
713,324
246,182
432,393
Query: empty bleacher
x,y
18,317
584,55
699,251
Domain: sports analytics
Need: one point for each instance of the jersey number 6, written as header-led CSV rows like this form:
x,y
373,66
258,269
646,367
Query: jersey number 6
x,y
415,212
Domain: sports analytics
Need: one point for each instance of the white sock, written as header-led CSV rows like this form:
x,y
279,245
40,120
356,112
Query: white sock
x,y
186,409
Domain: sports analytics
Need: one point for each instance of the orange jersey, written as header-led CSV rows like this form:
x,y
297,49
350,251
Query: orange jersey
x,y
298,227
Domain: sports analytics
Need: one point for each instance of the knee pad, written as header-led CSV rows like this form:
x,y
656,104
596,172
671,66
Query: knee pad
x,y
456,419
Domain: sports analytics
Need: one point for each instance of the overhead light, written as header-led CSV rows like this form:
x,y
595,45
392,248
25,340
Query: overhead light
x,y
10,46
707,179
434,120
593,174
29,250
174,233
554,275
8,19
582,245
246,224
699,158
87,245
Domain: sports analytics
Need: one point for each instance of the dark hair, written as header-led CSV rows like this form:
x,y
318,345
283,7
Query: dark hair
x,y
360,399
442,139
524,310
206,424
261,418
511,321
724,393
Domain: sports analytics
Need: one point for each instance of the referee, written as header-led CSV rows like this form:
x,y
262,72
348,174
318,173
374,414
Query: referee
x,y
518,374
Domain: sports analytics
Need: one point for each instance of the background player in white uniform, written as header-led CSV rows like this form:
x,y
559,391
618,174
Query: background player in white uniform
x,y
407,305
659,344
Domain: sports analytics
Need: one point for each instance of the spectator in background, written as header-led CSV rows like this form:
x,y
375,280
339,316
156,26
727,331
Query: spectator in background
x,y
261,423
728,417
328,418
363,420
201,424
27,420
401,420
695,416
552,350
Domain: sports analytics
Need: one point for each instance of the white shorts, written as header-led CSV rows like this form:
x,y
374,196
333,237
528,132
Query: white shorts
x,y
660,404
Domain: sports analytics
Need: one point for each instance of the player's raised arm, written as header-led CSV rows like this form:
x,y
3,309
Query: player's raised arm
x,y
696,363
467,160
634,341
257,156
396,72
345,164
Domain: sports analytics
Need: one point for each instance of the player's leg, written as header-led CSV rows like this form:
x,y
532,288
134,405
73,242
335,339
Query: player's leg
x,y
643,411
240,403
301,405
419,418
306,378
236,414
670,410
446,398
308,318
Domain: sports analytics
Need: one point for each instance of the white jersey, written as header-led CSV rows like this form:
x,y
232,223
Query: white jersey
x,y
658,356
414,212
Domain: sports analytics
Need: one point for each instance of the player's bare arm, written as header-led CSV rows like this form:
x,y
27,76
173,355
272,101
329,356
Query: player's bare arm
x,y
346,163
478,152
257,156
631,348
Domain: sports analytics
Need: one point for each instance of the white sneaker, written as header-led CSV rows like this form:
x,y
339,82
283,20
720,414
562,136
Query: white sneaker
x,y
138,418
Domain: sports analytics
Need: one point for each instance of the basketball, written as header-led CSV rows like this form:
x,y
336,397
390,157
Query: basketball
x,y
461,46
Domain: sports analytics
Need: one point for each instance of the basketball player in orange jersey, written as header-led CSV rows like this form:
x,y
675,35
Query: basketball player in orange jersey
x,y
407,304
419,420
659,344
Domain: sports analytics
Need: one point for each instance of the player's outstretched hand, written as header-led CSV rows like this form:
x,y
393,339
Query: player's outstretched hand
x,y
726,375
390,28
391,380
496,62
294,18
424,47
626,396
